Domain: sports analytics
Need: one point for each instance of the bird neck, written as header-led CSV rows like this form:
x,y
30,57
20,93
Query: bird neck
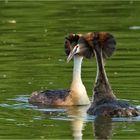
x,y
101,73
102,89
77,68
78,90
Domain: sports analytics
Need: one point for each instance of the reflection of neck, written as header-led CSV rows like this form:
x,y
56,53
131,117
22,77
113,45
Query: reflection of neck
x,y
77,129
102,127
77,68
102,88
78,123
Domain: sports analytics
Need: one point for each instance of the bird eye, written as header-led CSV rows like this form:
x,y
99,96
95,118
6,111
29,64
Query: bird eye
x,y
76,48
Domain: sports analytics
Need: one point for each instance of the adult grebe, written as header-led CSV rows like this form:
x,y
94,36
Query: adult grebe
x,y
77,94
104,101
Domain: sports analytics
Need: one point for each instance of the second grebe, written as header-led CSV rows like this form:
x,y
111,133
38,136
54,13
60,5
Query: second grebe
x,y
77,94
104,101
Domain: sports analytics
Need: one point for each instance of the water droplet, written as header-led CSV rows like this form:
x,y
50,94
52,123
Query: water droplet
x,y
50,83
60,60
20,124
12,21
37,118
29,83
45,30
10,119
42,137
134,27
4,75
31,121
115,73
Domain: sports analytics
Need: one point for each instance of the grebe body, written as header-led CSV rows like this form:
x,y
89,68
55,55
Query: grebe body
x,y
104,101
76,95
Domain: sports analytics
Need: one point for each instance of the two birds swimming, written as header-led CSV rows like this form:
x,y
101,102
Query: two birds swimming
x,y
100,45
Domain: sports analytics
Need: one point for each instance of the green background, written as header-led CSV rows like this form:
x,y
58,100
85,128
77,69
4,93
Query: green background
x,y
32,58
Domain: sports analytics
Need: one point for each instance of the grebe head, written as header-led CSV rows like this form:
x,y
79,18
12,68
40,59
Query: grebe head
x,y
87,43
70,41
71,48
107,43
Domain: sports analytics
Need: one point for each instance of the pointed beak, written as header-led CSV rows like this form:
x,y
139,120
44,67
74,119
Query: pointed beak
x,y
74,51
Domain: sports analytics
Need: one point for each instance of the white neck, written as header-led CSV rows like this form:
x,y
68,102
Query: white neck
x,y
77,68
78,90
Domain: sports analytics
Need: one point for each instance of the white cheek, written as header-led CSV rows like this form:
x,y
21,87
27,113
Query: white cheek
x,y
78,50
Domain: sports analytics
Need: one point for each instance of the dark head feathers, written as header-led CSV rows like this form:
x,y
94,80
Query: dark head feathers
x,y
88,52
108,44
99,39
89,40
72,40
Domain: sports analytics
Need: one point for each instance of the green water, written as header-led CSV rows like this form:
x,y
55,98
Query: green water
x,y
32,58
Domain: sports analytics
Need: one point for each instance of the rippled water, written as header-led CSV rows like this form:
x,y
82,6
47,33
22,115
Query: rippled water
x,y
32,58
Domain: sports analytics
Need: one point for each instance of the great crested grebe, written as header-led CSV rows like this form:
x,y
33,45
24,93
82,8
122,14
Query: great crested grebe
x,y
77,94
104,102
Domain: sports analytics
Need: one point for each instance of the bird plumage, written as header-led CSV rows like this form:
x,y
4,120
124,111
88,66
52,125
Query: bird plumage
x,y
104,101
77,94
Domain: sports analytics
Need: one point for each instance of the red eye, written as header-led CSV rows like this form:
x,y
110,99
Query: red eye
x,y
76,46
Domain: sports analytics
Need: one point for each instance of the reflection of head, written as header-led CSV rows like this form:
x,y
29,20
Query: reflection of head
x,y
103,127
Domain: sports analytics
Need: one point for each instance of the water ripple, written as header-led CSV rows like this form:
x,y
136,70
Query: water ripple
x,y
134,27
59,113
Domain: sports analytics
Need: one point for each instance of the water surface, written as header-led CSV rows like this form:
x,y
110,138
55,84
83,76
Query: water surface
x,y
32,58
